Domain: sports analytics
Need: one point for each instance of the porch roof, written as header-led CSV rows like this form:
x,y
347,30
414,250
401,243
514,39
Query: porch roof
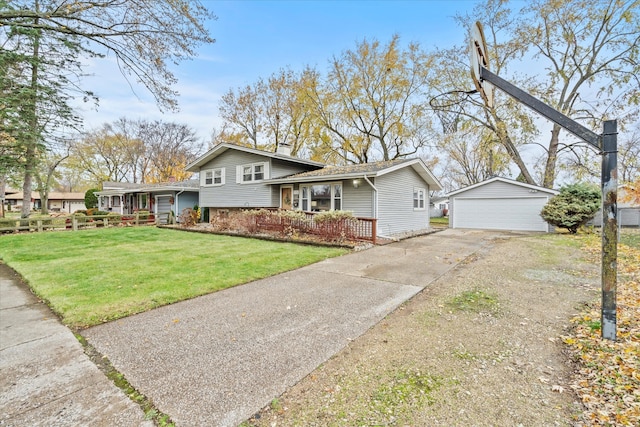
x,y
128,188
363,170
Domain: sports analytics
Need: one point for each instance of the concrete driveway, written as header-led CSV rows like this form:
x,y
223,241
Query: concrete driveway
x,y
218,359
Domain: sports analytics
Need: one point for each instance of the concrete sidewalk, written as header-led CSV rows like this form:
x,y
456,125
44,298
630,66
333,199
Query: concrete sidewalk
x,y
45,377
217,359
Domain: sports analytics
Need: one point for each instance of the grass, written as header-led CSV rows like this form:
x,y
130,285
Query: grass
x,y
443,220
475,301
94,276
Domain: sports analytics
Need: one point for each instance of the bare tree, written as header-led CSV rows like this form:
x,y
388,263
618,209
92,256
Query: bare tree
x,y
42,41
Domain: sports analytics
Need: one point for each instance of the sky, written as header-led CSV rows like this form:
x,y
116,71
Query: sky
x,y
255,39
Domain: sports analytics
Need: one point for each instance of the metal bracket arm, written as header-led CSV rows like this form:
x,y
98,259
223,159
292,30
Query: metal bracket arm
x,y
540,107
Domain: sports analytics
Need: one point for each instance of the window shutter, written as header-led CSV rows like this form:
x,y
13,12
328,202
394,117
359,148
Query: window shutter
x,y
239,174
222,173
203,176
266,170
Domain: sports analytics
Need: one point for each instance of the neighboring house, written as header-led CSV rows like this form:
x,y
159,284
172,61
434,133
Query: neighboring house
x,y
628,212
395,193
439,207
128,198
58,201
500,204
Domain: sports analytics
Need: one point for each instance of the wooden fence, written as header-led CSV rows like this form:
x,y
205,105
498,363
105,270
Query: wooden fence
x,y
356,228
78,222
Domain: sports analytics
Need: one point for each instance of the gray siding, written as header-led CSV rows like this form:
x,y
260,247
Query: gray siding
x,y
359,200
250,195
522,201
185,200
395,203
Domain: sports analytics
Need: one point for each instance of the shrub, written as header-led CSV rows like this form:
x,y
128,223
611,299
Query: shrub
x,y
336,225
188,217
333,216
143,215
8,223
573,207
114,218
90,199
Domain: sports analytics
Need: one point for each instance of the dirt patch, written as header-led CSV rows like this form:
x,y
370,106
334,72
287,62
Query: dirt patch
x,y
480,347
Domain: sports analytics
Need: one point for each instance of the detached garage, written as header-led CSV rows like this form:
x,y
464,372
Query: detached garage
x,y
499,204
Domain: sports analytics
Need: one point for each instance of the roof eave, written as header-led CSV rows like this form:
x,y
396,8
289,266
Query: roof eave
x,y
221,148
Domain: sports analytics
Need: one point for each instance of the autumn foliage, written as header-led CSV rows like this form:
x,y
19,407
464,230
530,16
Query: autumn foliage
x,y
608,378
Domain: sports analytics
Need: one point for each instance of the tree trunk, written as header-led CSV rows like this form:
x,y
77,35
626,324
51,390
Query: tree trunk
x,y
3,192
513,152
33,133
552,158
30,155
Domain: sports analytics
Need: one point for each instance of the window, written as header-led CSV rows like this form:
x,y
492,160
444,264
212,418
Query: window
x,y
213,177
321,197
218,177
252,172
418,199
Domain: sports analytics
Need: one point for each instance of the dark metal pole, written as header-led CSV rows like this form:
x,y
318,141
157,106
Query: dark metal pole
x,y
609,228
607,144
540,107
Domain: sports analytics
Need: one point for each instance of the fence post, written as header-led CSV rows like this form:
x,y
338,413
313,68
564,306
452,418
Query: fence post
x,y
74,222
39,222
374,230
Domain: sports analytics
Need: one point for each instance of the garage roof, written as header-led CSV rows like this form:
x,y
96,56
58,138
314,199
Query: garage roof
x,y
505,180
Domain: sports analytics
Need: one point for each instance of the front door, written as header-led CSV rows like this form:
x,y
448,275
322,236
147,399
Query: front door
x,y
286,198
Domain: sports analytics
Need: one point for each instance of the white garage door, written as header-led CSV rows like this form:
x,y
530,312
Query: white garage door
x,y
163,206
500,214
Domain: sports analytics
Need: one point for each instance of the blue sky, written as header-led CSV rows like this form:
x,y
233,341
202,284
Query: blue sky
x,y
257,38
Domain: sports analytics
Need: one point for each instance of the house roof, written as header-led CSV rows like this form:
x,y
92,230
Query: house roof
x,y
117,188
53,195
505,180
221,148
361,170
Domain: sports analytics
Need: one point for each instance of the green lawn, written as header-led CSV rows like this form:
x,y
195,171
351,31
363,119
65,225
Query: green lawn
x,y
93,276
444,220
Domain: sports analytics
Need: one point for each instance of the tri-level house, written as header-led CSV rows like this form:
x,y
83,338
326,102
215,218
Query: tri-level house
x,y
395,193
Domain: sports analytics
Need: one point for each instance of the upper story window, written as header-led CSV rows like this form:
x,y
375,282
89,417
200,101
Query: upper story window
x,y
252,172
213,177
419,196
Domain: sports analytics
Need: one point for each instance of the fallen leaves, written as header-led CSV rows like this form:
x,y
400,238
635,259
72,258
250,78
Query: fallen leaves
x,y
608,379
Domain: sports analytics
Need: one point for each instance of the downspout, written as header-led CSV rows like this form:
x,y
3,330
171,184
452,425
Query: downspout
x,y
375,206
177,195
375,197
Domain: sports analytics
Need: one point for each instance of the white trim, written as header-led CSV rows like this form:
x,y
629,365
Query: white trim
x,y
506,181
424,198
221,148
331,184
212,171
240,172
